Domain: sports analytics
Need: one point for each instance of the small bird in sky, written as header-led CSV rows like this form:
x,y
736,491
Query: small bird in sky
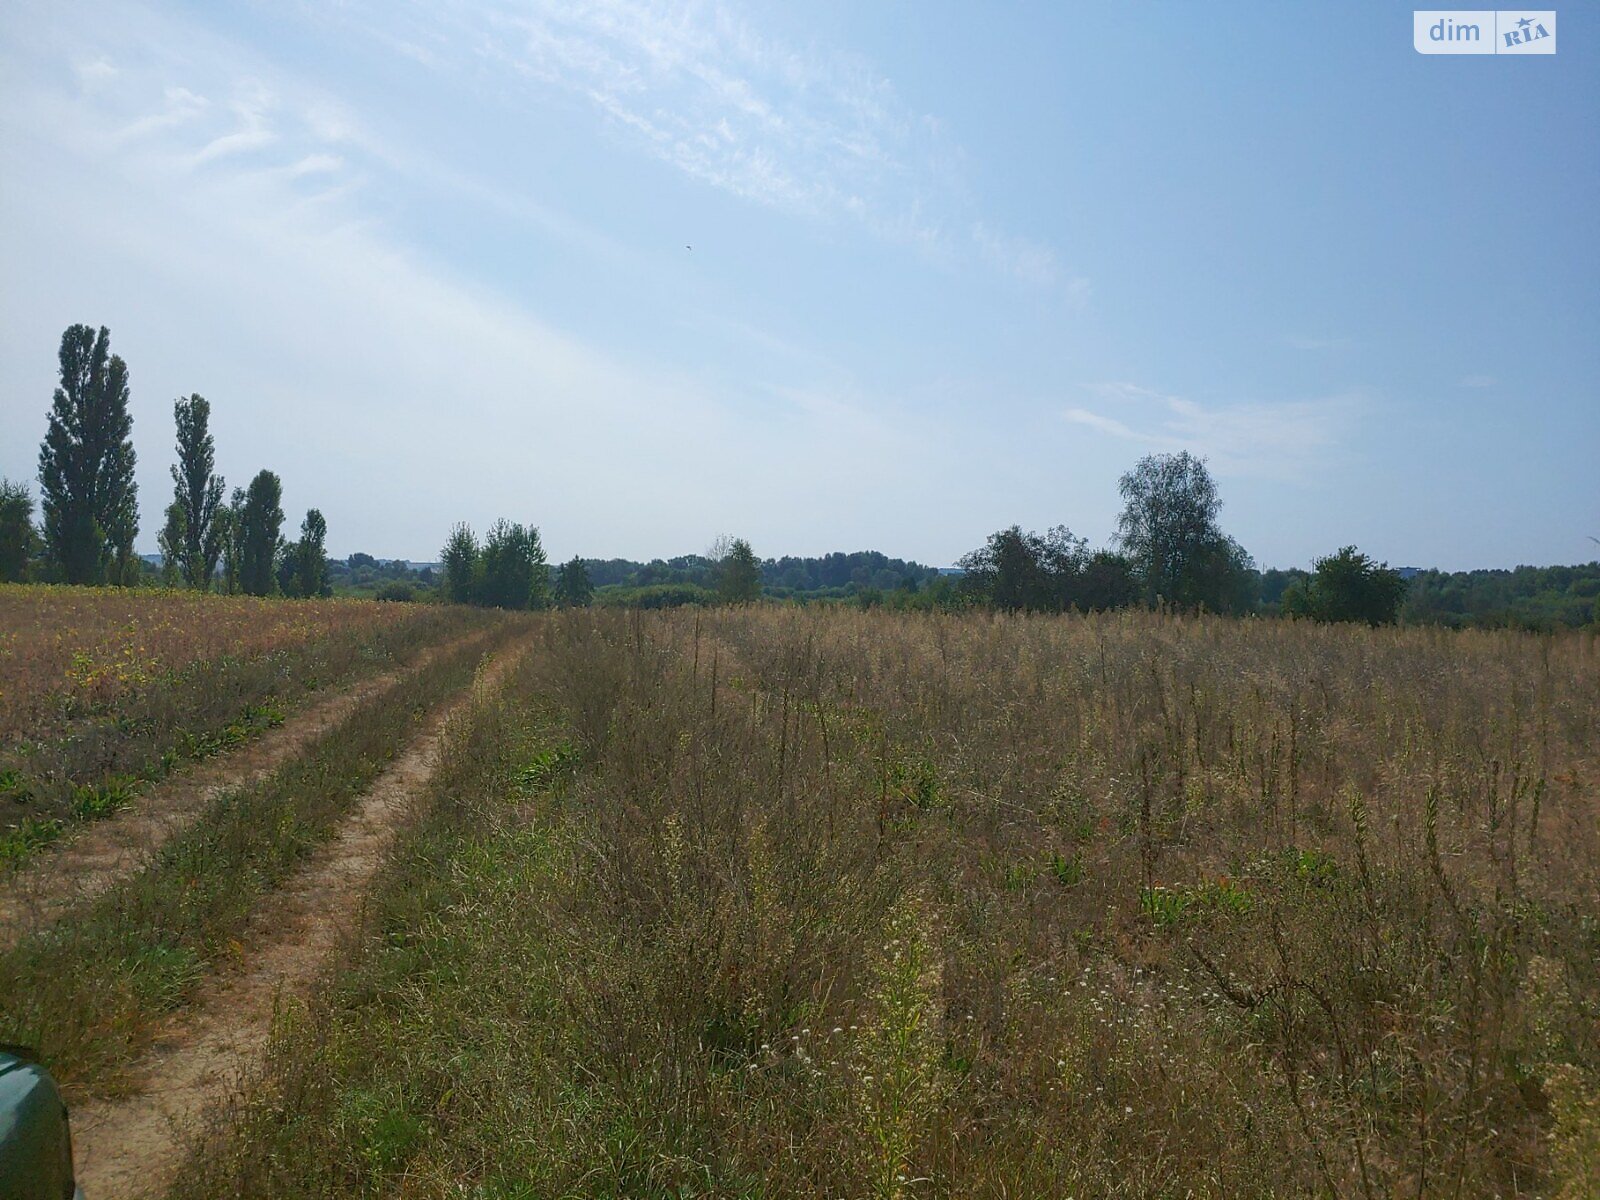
x,y
688,247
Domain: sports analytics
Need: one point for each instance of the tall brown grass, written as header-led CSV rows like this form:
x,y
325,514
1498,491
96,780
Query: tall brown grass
x,y
855,904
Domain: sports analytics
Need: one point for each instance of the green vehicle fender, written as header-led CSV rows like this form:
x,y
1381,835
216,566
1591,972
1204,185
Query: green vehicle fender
x,y
35,1139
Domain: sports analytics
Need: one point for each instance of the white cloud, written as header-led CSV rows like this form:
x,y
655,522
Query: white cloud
x,y
95,72
818,134
179,105
1104,424
390,393
317,164
1283,439
1029,261
240,142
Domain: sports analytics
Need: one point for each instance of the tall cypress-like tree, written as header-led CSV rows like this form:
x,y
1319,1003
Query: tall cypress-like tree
x,y
463,566
198,492
260,526
311,557
88,493
230,533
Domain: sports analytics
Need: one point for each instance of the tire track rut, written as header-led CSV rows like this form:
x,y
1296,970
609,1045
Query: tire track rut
x,y
130,1147
104,852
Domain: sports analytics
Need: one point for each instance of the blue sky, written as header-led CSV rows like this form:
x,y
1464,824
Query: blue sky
x,y
954,266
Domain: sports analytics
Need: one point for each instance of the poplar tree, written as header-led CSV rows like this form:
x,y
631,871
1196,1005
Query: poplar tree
x,y
311,557
463,566
260,526
87,489
198,493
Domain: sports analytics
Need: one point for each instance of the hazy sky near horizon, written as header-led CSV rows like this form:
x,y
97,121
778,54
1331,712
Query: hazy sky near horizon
x,y
953,267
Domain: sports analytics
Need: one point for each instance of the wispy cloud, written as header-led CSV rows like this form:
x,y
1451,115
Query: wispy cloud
x,y
179,106
240,221
1105,424
817,133
252,107
1030,261
1281,440
95,72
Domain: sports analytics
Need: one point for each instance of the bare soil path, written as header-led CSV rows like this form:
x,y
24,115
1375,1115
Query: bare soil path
x,y
130,1147
104,852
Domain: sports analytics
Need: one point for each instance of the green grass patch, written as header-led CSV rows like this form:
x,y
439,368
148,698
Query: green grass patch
x,y
25,839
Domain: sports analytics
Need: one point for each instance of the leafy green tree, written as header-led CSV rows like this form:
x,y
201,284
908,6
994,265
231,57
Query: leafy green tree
x,y
260,526
396,592
1348,586
1027,572
314,555
303,564
1168,528
1008,572
230,532
515,573
173,540
88,493
573,588
198,490
19,541
1107,581
739,574
462,562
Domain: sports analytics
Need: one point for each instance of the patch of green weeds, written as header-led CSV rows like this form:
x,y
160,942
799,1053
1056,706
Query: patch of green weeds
x,y
14,786
916,780
1019,877
163,974
1167,906
1311,866
95,802
381,1127
26,839
1068,872
546,767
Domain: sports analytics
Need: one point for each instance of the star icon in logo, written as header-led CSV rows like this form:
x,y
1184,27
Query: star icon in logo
x,y
1524,23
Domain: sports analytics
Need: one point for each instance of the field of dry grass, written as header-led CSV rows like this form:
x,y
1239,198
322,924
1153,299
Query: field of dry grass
x,y
783,902
71,651
103,691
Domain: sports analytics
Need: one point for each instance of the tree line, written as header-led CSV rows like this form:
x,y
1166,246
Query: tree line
x,y
1533,598
1169,549
1170,552
508,569
89,499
